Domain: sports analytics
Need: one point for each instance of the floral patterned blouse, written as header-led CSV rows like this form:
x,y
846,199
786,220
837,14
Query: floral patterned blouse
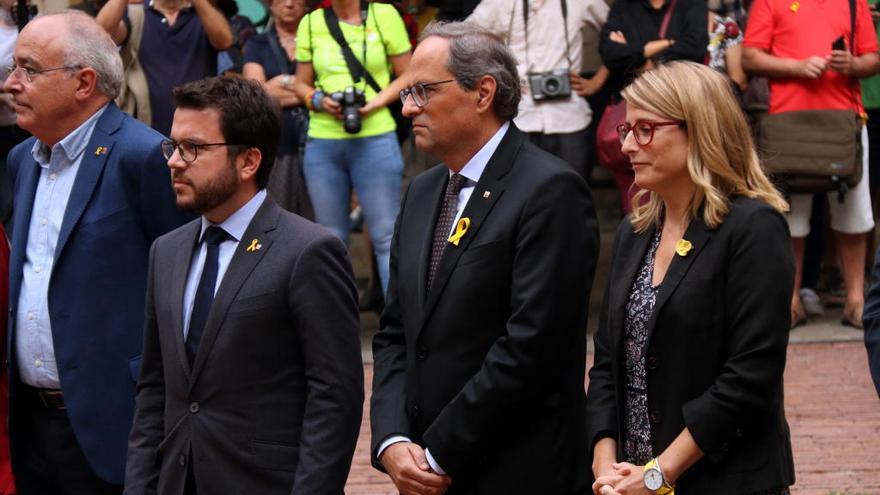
x,y
639,308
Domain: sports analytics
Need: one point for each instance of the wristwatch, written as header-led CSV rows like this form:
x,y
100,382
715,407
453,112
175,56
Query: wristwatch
x,y
286,80
654,479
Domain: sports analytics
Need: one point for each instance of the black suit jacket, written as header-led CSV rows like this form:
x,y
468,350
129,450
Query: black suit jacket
x,y
872,323
715,353
273,402
486,370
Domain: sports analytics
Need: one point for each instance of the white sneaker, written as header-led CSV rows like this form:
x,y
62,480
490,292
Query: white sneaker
x,y
812,304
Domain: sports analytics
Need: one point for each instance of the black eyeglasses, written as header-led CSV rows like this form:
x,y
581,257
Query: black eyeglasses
x,y
419,92
187,150
14,70
643,130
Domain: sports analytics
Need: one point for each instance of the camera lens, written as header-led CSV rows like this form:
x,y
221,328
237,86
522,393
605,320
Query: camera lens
x,y
552,85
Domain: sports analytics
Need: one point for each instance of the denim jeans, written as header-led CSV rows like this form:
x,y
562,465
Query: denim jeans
x,y
373,166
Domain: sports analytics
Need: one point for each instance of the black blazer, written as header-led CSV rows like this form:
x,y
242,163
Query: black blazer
x,y
272,404
487,369
716,350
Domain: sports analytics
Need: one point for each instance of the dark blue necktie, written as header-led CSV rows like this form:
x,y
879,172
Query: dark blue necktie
x,y
205,292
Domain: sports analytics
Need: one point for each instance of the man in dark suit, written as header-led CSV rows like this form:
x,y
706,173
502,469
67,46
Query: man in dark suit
x,y
479,365
872,323
252,380
91,193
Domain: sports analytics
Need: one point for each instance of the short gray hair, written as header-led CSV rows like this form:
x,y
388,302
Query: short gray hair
x,y
474,53
88,45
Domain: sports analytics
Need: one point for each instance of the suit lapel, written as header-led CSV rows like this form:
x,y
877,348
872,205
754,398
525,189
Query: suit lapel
x,y
240,267
179,273
29,175
699,235
436,190
477,210
90,169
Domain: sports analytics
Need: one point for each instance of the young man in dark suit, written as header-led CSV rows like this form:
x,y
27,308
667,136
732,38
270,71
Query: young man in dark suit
x,y
252,380
479,365
91,193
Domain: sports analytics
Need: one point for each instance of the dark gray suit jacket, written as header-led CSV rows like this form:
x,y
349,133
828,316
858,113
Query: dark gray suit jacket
x,y
273,402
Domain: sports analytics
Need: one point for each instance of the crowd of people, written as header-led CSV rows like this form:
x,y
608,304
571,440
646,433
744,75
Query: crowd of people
x,y
179,192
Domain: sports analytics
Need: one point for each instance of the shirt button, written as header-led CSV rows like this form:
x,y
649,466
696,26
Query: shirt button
x,y
182,460
52,176
30,315
43,221
194,407
38,363
38,269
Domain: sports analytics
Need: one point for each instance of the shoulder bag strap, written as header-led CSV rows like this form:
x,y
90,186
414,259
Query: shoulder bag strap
x,y
666,18
284,62
355,67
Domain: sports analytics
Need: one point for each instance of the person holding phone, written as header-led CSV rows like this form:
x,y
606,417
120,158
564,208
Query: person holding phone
x,y
812,72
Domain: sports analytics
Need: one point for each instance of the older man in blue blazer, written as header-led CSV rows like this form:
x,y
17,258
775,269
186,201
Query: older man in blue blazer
x,y
90,194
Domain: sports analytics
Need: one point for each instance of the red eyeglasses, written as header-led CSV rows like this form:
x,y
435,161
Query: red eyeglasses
x,y
643,130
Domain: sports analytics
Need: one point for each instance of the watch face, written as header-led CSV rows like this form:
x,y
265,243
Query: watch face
x,y
653,479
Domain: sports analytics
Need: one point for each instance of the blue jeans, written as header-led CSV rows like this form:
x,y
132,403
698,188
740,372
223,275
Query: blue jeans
x,y
374,167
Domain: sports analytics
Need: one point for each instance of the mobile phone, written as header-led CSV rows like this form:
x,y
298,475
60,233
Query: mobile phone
x,y
839,44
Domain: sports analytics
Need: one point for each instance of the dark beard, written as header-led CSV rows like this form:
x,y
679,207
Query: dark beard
x,y
215,192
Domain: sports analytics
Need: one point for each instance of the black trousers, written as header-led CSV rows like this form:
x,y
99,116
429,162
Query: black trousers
x,y
46,457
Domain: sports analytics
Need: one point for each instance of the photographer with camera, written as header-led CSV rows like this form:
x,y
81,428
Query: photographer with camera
x,y
343,53
549,59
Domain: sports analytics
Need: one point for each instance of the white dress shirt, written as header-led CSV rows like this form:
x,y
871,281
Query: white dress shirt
x,y
546,51
235,226
34,348
472,171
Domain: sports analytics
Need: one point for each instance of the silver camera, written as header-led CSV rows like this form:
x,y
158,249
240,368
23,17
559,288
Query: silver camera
x,y
550,85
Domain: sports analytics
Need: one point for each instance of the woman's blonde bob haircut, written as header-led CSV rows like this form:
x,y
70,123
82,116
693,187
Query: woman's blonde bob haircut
x,y
721,157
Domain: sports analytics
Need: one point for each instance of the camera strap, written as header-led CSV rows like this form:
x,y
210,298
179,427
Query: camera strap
x,y
355,67
525,5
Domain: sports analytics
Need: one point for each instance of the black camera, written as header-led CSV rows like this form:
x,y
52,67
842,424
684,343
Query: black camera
x,y
350,99
550,85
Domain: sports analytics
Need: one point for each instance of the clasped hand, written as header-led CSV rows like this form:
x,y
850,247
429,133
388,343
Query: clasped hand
x,y
408,467
622,479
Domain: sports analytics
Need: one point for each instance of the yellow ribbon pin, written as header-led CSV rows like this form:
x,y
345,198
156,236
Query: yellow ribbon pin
x,y
100,150
254,246
683,247
795,6
460,229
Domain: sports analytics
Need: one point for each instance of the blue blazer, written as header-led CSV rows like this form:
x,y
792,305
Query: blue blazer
x,y
871,320
120,202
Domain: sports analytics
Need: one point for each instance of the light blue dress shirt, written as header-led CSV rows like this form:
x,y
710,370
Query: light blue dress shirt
x,y
34,348
472,171
235,226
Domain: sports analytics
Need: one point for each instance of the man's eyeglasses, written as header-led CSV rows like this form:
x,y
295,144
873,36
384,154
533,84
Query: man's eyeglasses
x,y
16,70
643,130
187,150
419,92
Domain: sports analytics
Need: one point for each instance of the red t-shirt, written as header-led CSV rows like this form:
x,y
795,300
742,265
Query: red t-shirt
x,y
801,29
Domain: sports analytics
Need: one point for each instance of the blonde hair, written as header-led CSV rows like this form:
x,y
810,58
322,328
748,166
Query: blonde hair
x,y
721,157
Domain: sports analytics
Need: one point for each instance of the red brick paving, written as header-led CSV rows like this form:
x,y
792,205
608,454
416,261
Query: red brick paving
x,y
831,405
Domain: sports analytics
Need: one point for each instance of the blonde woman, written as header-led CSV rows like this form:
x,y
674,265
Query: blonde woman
x,y
686,390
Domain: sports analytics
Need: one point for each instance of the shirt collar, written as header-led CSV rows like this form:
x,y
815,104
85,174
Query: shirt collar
x,y
72,145
474,168
238,222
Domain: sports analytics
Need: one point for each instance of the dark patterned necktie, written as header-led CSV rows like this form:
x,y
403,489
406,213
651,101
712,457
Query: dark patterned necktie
x,y
204,296
444,223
